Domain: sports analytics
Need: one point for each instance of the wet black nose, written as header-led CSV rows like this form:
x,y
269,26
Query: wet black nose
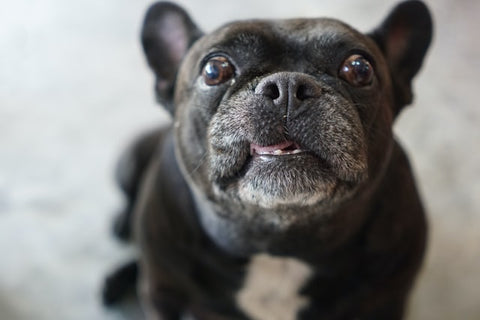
x,y
288,89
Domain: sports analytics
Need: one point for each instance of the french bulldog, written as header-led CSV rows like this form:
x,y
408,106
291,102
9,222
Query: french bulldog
x,y
278,191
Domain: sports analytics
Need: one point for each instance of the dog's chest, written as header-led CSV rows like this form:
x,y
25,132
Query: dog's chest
x,y
271,288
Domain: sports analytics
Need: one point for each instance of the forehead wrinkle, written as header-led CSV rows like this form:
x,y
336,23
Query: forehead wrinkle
x,y
322,33
249,34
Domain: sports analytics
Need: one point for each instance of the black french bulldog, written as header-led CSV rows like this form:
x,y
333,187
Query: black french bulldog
x,y
280,170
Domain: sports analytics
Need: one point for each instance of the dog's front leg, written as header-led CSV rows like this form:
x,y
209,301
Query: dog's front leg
x,y
159,299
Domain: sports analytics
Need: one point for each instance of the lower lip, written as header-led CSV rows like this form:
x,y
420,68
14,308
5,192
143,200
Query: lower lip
x,y
284,156
280,152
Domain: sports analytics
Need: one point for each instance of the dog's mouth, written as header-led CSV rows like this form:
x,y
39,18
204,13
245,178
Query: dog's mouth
x,y
281,149
276,175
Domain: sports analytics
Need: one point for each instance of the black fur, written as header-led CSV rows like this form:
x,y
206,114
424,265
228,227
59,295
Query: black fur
x,y
346,204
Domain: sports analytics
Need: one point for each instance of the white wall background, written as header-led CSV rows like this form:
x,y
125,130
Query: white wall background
x,y
74,89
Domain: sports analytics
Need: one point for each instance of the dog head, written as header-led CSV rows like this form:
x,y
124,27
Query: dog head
x,y
284,114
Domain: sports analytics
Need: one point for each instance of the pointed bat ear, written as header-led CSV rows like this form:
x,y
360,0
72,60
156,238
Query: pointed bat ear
x,y
167,34
404,37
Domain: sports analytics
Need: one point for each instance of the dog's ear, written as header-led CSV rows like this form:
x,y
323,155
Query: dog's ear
x,y
404,37
167,34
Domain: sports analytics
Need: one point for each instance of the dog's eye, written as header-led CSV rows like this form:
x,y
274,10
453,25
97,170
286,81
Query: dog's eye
x,y
217,70
357,71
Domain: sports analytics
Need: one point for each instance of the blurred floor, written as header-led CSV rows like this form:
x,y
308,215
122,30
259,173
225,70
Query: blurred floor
x,y
74,89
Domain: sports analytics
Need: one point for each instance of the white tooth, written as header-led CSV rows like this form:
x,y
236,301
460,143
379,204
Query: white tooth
x,y
277,152
296,151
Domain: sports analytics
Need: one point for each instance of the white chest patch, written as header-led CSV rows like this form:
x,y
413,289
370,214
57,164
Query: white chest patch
x,y
271,288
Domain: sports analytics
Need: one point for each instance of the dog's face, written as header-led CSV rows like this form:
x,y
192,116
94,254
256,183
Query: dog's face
x,y
281,112
287,114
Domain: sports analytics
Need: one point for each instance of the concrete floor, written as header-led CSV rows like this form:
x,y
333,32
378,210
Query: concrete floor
x,y
74,89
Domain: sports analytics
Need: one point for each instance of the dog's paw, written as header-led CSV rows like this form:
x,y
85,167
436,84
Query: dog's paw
x,y
120,283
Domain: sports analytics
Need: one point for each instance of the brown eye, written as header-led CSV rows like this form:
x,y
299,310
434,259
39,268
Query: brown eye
x,y
357,71
217,70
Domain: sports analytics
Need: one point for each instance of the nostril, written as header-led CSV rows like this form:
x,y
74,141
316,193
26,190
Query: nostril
x,y
271,90
305,92
302,93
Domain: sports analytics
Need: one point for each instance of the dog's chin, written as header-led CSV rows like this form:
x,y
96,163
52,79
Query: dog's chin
x,y
287,181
